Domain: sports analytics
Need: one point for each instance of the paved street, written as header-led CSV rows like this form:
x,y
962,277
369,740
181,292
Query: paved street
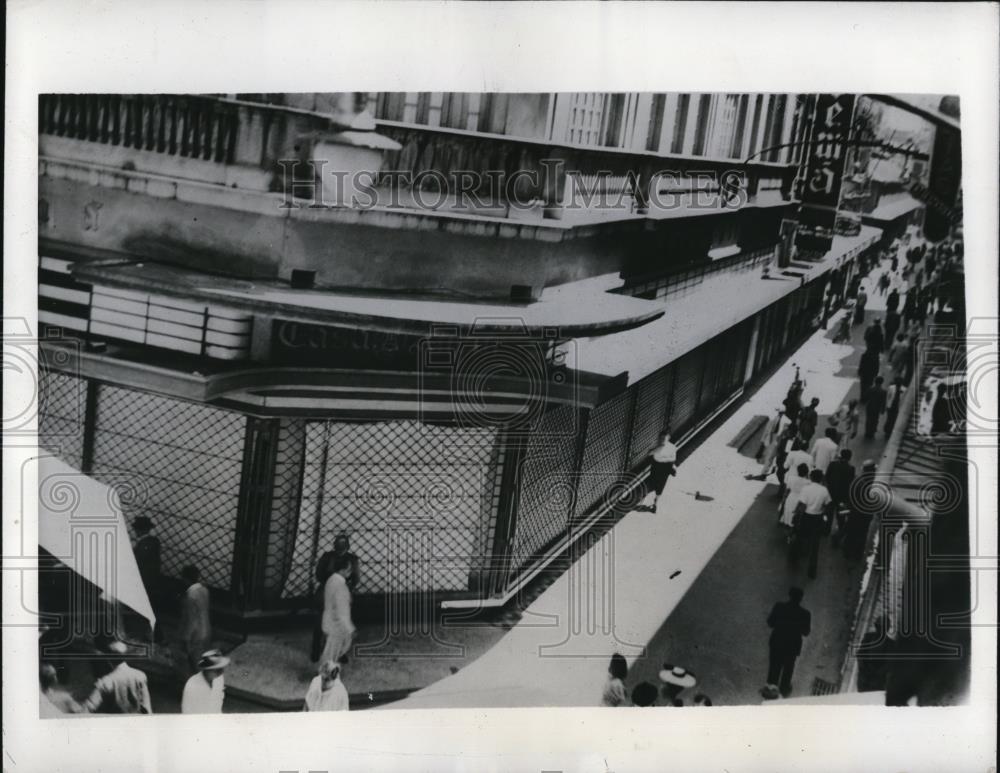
x,y
718,631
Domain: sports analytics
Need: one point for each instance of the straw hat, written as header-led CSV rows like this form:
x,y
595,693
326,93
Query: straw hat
x,y
678,676
213,659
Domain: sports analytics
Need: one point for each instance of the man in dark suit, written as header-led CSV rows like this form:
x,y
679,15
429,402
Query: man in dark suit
x,y
839,477
875,406
789,622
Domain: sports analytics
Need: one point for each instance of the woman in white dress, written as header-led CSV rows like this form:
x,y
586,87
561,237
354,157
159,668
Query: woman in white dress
x,y
795,480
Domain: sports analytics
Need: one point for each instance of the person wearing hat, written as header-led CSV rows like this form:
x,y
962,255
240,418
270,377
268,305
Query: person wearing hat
x,y
326,692
675,680
123,690
205,691
789,622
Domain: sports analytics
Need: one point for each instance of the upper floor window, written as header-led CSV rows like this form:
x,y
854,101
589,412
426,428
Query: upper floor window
x,y
655,121
680,123
701,124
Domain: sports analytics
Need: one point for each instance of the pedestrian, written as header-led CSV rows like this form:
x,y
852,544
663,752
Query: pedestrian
x,y
675,679
663,464
874,337
702,700
147,558
789,622
808,419
55,701
892,323
796,480
867,371
893,397
899,356
205,691
797,455
941,413
861,511
614,688
784,447
845,421
824,450
123,690
196,625
839,478
843,329
337,624
644,695
811,520
883,283
859,306
874,407
773,434
326,692
892,302
793,402
324,568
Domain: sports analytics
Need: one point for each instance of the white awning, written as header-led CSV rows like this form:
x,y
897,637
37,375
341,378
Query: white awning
x,y
81,524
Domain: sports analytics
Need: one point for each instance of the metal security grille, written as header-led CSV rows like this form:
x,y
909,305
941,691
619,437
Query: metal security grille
x,y
61,409
546,485
418,503
686,387
650,413
604,454
184,463
284,505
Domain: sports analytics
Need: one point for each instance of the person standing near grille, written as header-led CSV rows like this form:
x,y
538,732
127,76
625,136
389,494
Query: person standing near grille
x,y
789,622
147,560
663,464
893,397
337,624
196,624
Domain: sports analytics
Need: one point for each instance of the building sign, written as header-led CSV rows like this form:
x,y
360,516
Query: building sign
x,y
327,346
824,174
944,183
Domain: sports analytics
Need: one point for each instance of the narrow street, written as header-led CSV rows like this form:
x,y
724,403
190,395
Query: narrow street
x,y
718,631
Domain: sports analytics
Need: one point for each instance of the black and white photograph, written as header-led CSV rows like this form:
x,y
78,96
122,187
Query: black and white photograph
x,y
395,400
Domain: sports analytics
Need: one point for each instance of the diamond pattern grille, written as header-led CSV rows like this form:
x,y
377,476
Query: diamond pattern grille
x,y
418,502
650,414
604,454
183,462
61,406
547,483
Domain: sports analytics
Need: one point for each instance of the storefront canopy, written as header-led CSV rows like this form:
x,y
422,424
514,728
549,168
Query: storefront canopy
x,y
81,524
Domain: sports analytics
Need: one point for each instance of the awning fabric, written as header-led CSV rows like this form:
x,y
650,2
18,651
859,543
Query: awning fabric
x,y
81,524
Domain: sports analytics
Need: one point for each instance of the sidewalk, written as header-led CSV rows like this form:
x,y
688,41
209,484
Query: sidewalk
x,y
692,583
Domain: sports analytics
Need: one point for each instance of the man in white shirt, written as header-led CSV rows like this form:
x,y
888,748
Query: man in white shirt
x,y
206,690
824,450
814,501
326,691
798,455
663,464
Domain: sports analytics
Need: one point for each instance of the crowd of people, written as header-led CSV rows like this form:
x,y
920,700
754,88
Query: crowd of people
x,y
120,688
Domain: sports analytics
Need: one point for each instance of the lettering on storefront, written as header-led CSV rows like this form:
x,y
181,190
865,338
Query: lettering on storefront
x,y
329,346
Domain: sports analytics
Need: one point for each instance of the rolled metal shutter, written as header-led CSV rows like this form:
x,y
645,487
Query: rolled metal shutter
x,y
604,454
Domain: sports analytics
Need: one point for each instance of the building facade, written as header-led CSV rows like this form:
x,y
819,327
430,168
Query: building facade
x,y
462,377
